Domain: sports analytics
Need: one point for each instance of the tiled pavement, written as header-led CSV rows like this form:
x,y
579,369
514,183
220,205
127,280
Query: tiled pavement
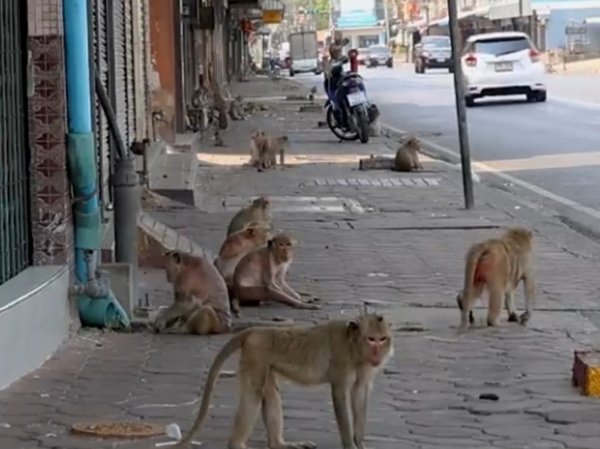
x,y
398,245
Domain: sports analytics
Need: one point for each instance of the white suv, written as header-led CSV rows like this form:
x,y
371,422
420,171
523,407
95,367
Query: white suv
x,y
503,63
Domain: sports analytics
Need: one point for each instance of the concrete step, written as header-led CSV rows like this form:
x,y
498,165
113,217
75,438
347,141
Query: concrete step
x,y
173,175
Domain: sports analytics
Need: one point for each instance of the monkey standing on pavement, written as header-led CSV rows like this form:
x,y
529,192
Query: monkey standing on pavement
x,y
346,354
498,265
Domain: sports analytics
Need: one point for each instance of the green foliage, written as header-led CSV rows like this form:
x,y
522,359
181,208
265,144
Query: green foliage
x,y
319,9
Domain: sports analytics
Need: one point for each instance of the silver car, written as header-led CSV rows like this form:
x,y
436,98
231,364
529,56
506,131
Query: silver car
x,y
379,55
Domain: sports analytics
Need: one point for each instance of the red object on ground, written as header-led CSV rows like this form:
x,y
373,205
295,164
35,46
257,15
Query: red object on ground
x,y
353,56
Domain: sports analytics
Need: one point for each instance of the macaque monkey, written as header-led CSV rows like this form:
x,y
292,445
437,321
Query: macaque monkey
x,y
257,142
264,149
236,109
346,354
407,156
201,300
499,265
221,105
259,210
236,246
260,275
267,157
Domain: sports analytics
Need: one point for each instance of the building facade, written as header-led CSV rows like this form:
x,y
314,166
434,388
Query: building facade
x,y
36,242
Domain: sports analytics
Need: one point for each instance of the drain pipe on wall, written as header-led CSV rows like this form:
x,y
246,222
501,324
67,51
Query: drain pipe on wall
x,y
96,302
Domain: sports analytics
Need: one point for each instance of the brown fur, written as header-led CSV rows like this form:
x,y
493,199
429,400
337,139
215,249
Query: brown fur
x,y
346,354
259,210
234,247
407,156
201,300
260,275
498,265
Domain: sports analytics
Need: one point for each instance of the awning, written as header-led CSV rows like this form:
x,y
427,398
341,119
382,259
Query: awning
x,y
507,9
592,20
462,15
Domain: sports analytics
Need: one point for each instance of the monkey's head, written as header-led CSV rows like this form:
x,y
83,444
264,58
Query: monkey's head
x,y
262,202
257,134
413,143
282,246
371,339
258,232
520,236
173,261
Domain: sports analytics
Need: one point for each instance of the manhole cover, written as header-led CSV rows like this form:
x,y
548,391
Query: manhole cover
x,y
379,182
309,204
118,429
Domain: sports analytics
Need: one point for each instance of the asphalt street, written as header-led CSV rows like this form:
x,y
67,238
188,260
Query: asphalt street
x,y
553,145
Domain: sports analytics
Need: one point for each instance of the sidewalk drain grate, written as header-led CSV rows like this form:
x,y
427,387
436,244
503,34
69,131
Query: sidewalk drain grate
x,y
378,182
307,204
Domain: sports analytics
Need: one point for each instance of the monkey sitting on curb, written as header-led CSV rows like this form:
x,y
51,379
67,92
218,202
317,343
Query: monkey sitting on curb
x,y
235,246
498,265
407,156
201,300
346,354
260,275
259,210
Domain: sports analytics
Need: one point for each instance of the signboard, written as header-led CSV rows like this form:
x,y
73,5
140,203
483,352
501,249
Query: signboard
x,y
272,15
356,14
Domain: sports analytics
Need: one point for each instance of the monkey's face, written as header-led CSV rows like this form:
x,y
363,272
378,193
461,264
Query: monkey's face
x,y
283,245
373,336
172,261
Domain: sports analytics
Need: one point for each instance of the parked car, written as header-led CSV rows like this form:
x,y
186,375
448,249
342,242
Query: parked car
x,y
503,63
363,53
433,52
379,55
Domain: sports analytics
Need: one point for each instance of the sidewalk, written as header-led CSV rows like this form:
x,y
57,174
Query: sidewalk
x,y
394,240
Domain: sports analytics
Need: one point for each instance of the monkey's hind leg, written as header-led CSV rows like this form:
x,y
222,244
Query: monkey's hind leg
x,y
252,382
496,298
509,303
272,414
529,288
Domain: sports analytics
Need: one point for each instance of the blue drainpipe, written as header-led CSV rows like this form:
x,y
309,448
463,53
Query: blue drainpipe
x,y
97,303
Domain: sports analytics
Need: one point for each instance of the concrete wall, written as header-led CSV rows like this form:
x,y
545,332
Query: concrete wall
x,y
34,319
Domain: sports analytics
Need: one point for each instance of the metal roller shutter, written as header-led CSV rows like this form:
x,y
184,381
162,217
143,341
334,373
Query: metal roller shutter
x,y
100,42
120,71
129,63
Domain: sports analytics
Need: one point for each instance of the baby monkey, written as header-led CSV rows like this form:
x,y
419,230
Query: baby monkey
x,y
407,156
346,354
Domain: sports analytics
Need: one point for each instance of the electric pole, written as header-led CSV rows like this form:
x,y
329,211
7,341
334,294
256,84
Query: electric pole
x,y
461,113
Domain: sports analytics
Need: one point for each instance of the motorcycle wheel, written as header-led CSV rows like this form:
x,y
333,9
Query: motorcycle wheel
x,y
362,123
336,130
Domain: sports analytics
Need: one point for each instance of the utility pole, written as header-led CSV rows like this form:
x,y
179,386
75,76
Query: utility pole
x,y
461,113
386,20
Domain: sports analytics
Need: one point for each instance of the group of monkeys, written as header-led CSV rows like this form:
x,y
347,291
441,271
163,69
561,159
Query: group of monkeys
x,y
346,353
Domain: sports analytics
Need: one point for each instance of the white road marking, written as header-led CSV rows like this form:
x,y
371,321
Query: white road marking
x,y
481,167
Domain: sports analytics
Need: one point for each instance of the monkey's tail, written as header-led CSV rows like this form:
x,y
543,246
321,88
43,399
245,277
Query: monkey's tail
x,y
230,347
471,267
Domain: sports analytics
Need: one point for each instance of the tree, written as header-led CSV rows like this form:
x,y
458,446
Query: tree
x,y
320,10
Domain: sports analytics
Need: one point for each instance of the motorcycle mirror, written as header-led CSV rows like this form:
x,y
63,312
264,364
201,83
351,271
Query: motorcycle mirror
x,y
345,41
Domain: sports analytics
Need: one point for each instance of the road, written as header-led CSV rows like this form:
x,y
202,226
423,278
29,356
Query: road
x,y
553,145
